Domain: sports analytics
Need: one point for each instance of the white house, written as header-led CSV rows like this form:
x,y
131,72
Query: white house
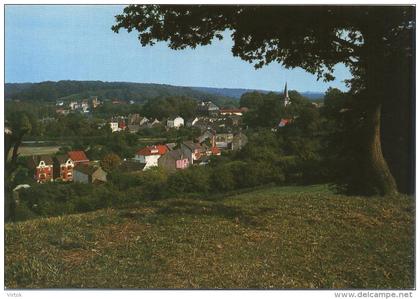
x,y
149,155
175,123
114,126
73,105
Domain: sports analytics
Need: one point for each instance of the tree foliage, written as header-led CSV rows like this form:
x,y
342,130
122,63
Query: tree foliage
x,y
110,161
315,38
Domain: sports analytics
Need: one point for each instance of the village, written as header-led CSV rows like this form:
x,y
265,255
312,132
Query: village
x,y
221,131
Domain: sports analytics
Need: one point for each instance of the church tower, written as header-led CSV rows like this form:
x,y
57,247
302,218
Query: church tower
x,y
286,98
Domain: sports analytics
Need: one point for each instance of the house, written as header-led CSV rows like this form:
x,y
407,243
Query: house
x,y
192,122
204,160
88,174
284,122
133,119
238,112
223,140
43,167
175,123
215,151
95,102
192,150
133,128
73,105
78,157
204,123
239,140
149,155
136,119
206,135
7,130
154,123
121,125
143,121
174,160
114,126
85,106
208,108
171,146
233,120
63,168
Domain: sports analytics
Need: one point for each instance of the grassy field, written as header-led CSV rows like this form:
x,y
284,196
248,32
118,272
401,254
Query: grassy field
x,y
37,150
280,237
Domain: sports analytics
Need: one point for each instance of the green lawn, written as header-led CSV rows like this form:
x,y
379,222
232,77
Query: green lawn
x,y
280,237
37,150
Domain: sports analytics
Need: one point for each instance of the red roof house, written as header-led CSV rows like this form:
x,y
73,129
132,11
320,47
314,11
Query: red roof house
x,y
78,157
215,151
284,122
122,125
153,150
43,168
149,155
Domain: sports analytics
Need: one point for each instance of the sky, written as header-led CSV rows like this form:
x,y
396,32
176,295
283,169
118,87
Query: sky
x,y
75,42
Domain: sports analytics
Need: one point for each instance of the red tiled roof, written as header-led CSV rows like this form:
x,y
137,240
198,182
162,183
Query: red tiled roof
x,y
77,156
153,150
215,150
284,121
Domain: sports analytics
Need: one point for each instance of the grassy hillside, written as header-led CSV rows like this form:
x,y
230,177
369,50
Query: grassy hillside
x,y
289,237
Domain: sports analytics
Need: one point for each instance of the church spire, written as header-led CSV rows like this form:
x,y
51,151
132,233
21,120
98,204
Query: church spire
x,y
286,98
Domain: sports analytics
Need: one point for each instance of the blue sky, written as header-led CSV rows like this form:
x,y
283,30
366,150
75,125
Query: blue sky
x,y
75,42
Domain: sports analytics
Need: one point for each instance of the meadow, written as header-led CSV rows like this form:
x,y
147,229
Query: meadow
x,y
277,237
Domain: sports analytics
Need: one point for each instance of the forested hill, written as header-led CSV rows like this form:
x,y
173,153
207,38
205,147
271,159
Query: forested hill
x,y
138,92
238,92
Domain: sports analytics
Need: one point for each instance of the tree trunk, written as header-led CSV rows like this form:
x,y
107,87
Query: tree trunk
x,y
377,174
378,177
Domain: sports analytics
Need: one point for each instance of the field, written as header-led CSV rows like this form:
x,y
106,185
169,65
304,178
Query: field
x,y
37,150
279,237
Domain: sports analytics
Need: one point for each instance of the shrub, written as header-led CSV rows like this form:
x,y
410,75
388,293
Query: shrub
x,y
222,179
23,212
153,183
191,180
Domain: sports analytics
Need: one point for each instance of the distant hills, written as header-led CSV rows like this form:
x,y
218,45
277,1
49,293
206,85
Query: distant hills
x,y
138,92
238,92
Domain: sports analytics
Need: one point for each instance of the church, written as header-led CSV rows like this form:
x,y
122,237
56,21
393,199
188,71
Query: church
x,y
286,99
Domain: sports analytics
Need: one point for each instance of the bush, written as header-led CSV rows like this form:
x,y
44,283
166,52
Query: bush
x,y
153,183
191,180
23,212
222,179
